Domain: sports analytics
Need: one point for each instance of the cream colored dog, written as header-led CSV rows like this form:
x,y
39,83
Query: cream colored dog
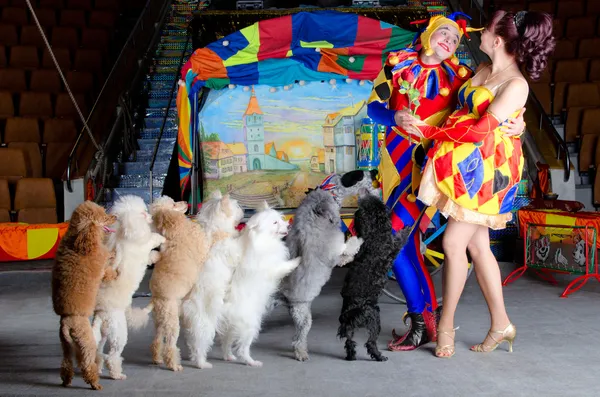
x,y
132,245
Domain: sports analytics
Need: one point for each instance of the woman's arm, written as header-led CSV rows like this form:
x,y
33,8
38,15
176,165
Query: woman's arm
x,y
509,100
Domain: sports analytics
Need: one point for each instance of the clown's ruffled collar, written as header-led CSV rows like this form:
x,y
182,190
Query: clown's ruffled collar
x,y
435,79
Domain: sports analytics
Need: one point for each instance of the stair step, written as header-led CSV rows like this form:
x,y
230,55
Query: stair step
x,y
165,143
175,46
160,113
152,133
142,167
164,85
164,154
174,54
156,122
141,180
163,70
144,193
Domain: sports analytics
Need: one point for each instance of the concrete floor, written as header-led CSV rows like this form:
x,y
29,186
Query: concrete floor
x,y
557,352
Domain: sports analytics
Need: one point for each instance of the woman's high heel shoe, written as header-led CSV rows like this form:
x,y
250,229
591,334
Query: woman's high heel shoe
x,y
508,335
445,351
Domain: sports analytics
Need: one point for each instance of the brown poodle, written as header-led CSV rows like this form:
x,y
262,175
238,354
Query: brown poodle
x,y
182,256
82,263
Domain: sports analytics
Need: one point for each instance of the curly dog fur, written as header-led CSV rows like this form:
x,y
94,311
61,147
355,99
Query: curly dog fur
x,y
132,243
316,236
182,257
202,310
367,273
82,262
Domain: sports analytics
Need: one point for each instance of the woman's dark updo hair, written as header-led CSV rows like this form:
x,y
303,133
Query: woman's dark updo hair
x,y
528,36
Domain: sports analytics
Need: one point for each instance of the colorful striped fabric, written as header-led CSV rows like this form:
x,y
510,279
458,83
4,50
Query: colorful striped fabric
x,y
310,46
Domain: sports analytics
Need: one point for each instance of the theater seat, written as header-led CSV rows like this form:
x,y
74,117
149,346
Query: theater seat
x,y
22,129
59,130
5,204
57,154
12,164
35,201
33,157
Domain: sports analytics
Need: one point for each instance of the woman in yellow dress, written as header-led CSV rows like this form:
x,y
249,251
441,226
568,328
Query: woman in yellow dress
x,y
474,169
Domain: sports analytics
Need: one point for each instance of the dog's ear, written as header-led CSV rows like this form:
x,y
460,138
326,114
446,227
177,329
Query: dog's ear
x,y
323,210
216,195
252,223
133,226
164,220
226,205
263,206
181,206
351,178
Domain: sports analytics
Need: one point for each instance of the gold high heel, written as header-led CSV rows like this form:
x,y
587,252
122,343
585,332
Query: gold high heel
x,y
508,335
445,351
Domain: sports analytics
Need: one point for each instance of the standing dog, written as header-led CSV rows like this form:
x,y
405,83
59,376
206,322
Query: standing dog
x,y
367,273
182,257
316,236
265,261
79,268
201,311
132,243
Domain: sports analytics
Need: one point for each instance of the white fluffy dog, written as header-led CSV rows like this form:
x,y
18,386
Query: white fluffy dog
x,y
201,310
265,261
132,244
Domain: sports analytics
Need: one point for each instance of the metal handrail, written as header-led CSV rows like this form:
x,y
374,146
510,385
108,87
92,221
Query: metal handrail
x,y
137,28
561,145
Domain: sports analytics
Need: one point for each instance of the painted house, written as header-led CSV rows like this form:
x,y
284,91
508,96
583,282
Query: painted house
x,y
240,157
339,139
331,121
317,161
219,158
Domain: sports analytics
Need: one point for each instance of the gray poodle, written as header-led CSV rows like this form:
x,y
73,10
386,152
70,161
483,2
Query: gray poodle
x,y
317,237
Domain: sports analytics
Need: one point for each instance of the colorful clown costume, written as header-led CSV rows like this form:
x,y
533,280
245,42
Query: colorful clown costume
x,y
400,166
474,169
402,159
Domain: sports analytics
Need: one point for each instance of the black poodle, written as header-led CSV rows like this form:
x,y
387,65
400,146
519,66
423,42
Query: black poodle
x,y
367,273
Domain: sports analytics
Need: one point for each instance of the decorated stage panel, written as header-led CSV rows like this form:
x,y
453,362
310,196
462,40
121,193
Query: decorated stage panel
x,y
274,144
20,241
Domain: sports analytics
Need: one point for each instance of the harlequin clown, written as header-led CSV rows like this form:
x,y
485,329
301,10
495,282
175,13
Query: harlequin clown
x,y
430,66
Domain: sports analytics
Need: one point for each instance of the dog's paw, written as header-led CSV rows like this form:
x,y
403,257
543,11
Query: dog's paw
x,y
96,386
154,257
351,357
203,365
118,376
255,363
177,368
301,355
229,357
353,245
380,358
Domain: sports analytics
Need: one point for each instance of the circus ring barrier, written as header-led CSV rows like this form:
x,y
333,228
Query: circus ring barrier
x,y
23,242
559,242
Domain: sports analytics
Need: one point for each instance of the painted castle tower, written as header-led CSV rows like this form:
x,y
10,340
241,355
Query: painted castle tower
x,y
254,134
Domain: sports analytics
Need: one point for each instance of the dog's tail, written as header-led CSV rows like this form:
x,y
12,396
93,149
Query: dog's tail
x,y
349,320
97,326
137,317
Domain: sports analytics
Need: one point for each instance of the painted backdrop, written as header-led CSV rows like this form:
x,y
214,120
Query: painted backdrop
x,y
263,145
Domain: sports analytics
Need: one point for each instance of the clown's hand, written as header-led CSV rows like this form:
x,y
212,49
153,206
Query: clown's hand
x,y
409,123
515,126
